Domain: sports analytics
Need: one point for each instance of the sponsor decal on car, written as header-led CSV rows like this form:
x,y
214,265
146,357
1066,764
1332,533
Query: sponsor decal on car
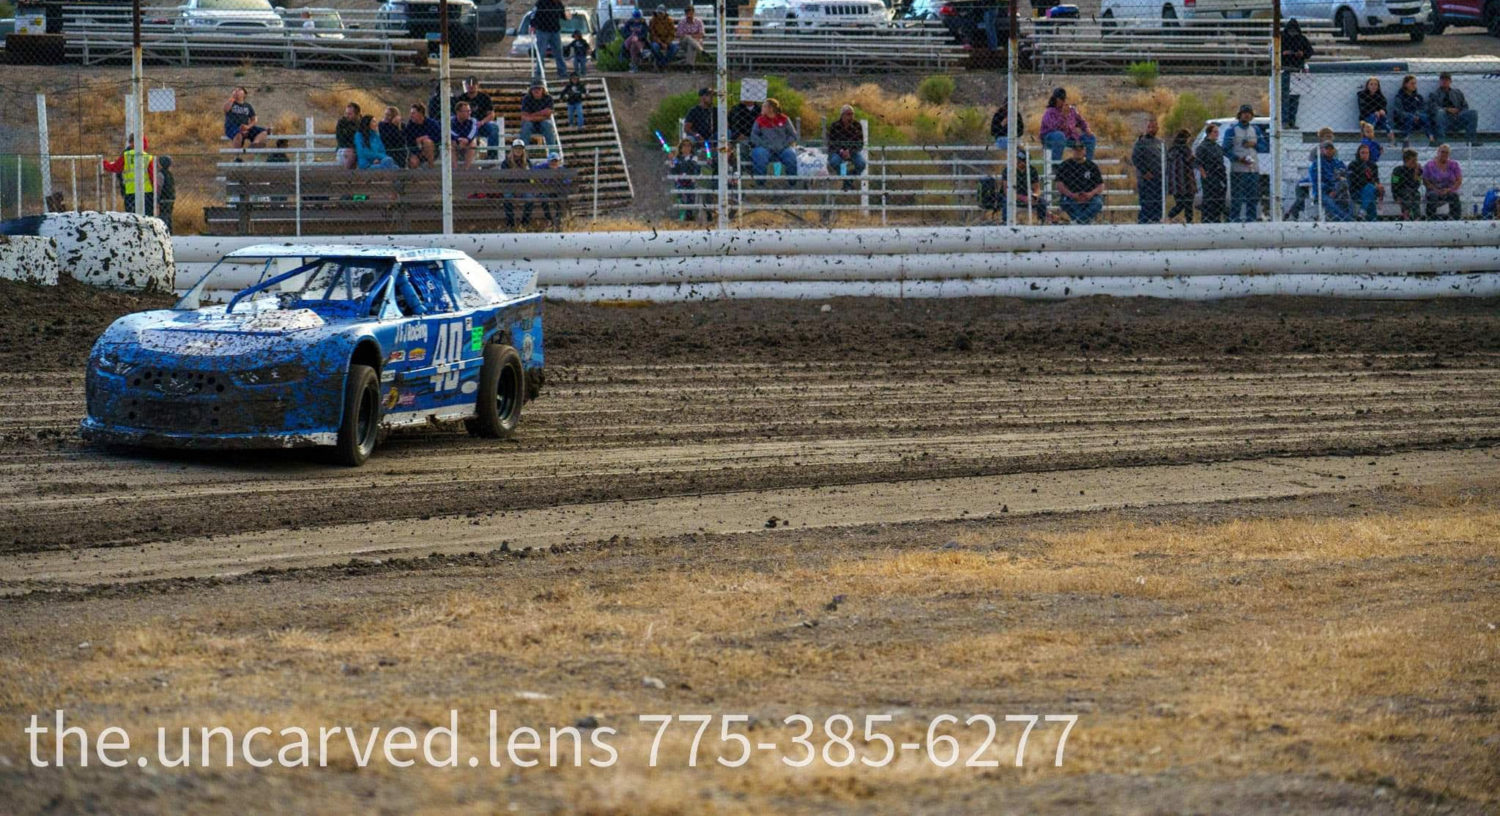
x,y
399,355
407,399
416,355
391,398
476,338
411,332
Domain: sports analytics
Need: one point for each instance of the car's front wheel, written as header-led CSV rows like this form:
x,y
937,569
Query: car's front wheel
x,y
1348,25
502,390
360,426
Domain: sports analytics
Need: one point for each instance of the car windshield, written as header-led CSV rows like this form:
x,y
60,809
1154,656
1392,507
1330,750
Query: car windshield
x,y
578,20
234,5
336,279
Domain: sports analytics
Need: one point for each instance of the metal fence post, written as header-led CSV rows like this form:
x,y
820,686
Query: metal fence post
x,y
1163,180
596,184
297,191
445,95
1009,193
45,145
1276,104
138,109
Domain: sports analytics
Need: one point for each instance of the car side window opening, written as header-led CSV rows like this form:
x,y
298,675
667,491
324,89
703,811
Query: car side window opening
x,y
473,285
429,286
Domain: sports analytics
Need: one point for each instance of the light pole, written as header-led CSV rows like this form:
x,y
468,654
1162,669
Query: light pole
x,y
445,99
137,104
721,89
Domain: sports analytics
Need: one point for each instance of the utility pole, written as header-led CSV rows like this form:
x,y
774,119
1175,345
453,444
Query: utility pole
x,y
137,102
1011,135
721,90
1276,105
445,97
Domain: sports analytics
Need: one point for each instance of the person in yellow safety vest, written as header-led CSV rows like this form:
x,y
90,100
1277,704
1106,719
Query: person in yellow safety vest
x,y
124,167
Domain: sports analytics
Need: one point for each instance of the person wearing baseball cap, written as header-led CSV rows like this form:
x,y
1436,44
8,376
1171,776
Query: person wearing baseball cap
x,y
536,114
663,42
1243,143
1081,184
701,122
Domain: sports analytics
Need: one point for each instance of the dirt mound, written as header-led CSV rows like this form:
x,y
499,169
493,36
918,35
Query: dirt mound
x,y
47,328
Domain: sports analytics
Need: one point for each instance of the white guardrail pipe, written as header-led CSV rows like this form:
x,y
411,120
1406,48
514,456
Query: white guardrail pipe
x,y
1384,260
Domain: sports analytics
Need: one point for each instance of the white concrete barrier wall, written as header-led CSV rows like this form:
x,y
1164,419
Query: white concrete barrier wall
x,y
114,250
1378,260
28,258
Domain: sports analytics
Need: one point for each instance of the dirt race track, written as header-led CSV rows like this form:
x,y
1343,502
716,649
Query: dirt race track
x,y
751,432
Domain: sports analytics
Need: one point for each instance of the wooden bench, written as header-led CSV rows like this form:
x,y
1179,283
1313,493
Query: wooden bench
x,y
261,199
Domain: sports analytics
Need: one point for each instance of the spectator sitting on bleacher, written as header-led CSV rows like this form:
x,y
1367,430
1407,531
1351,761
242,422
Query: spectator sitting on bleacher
x,y
773,137
576,52
1490,208
280,156
997,125
663,42
1411,113
1372,107
1028,191
552,162
1062,125
1364,184
1210,156
846,146
690,36
701,122
392,137
464,133
482,108
422,134
1081,184
515,159
343,136
1443,178
1304,184
1406,185
1182,181
240,126
1331,179
742,119
435,103
536,114
573,95
369,148
1450,111
1146,158
636,34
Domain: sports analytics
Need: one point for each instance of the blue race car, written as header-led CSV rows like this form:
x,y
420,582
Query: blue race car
x,y
321,345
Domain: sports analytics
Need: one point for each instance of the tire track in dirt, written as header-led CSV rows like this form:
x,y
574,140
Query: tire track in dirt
x,y
612,432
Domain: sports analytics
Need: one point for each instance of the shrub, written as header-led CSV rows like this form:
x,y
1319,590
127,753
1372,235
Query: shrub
x,y
936,90
968,126
925,128
673,108
611,57
1189,113
1143,74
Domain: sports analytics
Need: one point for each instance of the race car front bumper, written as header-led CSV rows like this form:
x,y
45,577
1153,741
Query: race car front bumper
x,y
96,431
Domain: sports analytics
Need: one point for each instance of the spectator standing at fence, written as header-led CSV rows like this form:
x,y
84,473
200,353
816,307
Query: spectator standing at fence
x,y
166,192
685,168
1243,143
742,119
1373,108
846,146
576,52
1410,111
1146,158
1305,184
636,35
1331,180
422,134
1061,125
536,114
1451,112
663,41
464,133
1182,178
343,136
482,108
573,95
690,32
1365,189
1443,178
392,136
1406,185
774,138
997,125
241,126
1296,50
369,148
546,22
1081,185
701,122
1210,156
124,167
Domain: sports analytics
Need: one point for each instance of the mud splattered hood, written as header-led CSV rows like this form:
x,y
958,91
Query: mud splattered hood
x,y
254,332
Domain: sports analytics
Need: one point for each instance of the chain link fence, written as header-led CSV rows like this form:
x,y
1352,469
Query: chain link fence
x,y
308,121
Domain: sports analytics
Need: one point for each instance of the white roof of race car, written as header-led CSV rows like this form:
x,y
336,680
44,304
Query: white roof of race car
x,y
394,253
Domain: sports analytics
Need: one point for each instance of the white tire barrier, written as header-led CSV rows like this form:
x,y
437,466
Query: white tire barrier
x,y
29,259
113,250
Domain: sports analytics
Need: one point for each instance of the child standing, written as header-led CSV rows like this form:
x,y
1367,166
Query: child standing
x,y
577,50
574,93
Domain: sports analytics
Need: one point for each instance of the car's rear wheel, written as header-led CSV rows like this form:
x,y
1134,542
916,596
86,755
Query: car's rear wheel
x,y
502,391
1418,33
360,427
1348,25
1437,25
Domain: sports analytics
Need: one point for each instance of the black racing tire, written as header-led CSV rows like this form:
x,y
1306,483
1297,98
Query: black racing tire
x,y
1437,25
1348,25
359,428
1492,17
502,392
1418,33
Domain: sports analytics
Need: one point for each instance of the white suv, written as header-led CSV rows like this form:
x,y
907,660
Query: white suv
x,y
812,14
1356,17
229,16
